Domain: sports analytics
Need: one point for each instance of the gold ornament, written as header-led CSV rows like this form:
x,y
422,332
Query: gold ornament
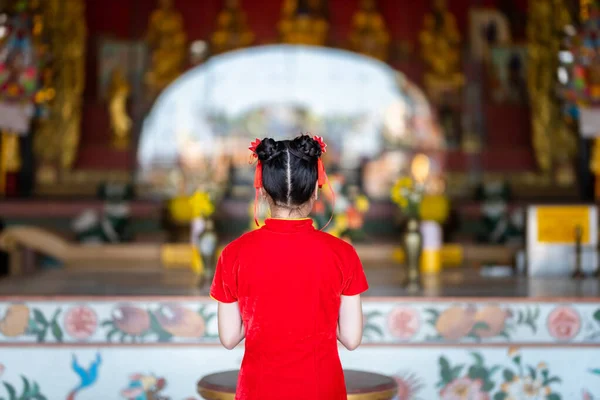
x,y
120,122
57,135
369,34
553,140
167,42
440,50
232,29
303,22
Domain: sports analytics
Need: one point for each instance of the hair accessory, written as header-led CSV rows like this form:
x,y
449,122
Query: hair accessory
x,y
322,175
319,139
253,146
257,177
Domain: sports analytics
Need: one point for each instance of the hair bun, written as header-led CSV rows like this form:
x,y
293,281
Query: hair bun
x,y
268,149
308,146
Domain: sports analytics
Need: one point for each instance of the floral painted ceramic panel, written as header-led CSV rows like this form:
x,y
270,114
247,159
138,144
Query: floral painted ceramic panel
x,y
170,372
163,320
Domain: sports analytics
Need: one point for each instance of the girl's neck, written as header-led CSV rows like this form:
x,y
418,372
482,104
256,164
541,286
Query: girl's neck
x,y
290,213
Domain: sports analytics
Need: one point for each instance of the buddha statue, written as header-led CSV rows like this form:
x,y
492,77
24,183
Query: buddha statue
x,y
167,42
369,35
232,29
304,22
440,50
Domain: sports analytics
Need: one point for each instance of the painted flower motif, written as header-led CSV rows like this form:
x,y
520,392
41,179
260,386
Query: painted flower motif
x,y
526,388
464,389
513,351
409,386
564,323
403,322
587,395
81,322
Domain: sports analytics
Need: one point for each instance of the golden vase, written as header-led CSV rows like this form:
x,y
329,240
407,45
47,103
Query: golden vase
x,y
413,247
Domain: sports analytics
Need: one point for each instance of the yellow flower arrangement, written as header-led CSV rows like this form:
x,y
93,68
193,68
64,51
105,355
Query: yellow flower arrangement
x,y
361,203
201,205
434,208
185,208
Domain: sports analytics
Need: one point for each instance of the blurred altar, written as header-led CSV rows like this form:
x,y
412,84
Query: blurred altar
x,y
468,127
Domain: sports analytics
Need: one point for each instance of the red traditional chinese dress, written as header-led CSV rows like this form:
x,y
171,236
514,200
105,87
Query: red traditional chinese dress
x,y
288,278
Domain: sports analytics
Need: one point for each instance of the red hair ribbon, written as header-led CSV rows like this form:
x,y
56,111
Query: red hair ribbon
x,y
322,175
257,177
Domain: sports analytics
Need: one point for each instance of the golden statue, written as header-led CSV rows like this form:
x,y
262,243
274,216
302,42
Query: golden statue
x,y
369,35
232,29
57,135
304,22
440,50
167,41
553,140
120,122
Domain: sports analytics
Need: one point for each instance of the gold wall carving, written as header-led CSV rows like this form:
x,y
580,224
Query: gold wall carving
x,y
232,29
57,135
369,34
554,141
167,42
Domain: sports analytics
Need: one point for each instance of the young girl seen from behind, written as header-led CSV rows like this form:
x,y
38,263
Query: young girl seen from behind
x,y
290,290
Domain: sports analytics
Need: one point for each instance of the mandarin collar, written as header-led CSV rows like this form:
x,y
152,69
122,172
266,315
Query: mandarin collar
x,y
289,225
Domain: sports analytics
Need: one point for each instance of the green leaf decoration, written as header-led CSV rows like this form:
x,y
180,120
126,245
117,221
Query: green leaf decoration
x,y
505,335
455,372
554,379
35,389
508,375
478,359
163,336
500,396
373,314
26,387
434,313
532,372
123,336
39,317
597,315
110,334
488,386
478,372
376,329
480,325
56,331
445,370
493,370
531,324
520,318
536,313
56,314
12,393
553,396
41,335
108,323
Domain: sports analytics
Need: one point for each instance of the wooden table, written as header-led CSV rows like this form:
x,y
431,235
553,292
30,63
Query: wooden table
x,y
359,386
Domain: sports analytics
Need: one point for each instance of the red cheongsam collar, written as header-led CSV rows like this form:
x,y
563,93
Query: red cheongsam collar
x,y
285,225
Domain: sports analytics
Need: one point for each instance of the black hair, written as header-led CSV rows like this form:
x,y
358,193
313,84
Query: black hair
x,y
289,169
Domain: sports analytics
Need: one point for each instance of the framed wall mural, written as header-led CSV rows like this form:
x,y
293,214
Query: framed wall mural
x,y
508,74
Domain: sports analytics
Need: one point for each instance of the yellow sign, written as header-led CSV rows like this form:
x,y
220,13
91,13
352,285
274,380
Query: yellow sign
x,y
559,224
